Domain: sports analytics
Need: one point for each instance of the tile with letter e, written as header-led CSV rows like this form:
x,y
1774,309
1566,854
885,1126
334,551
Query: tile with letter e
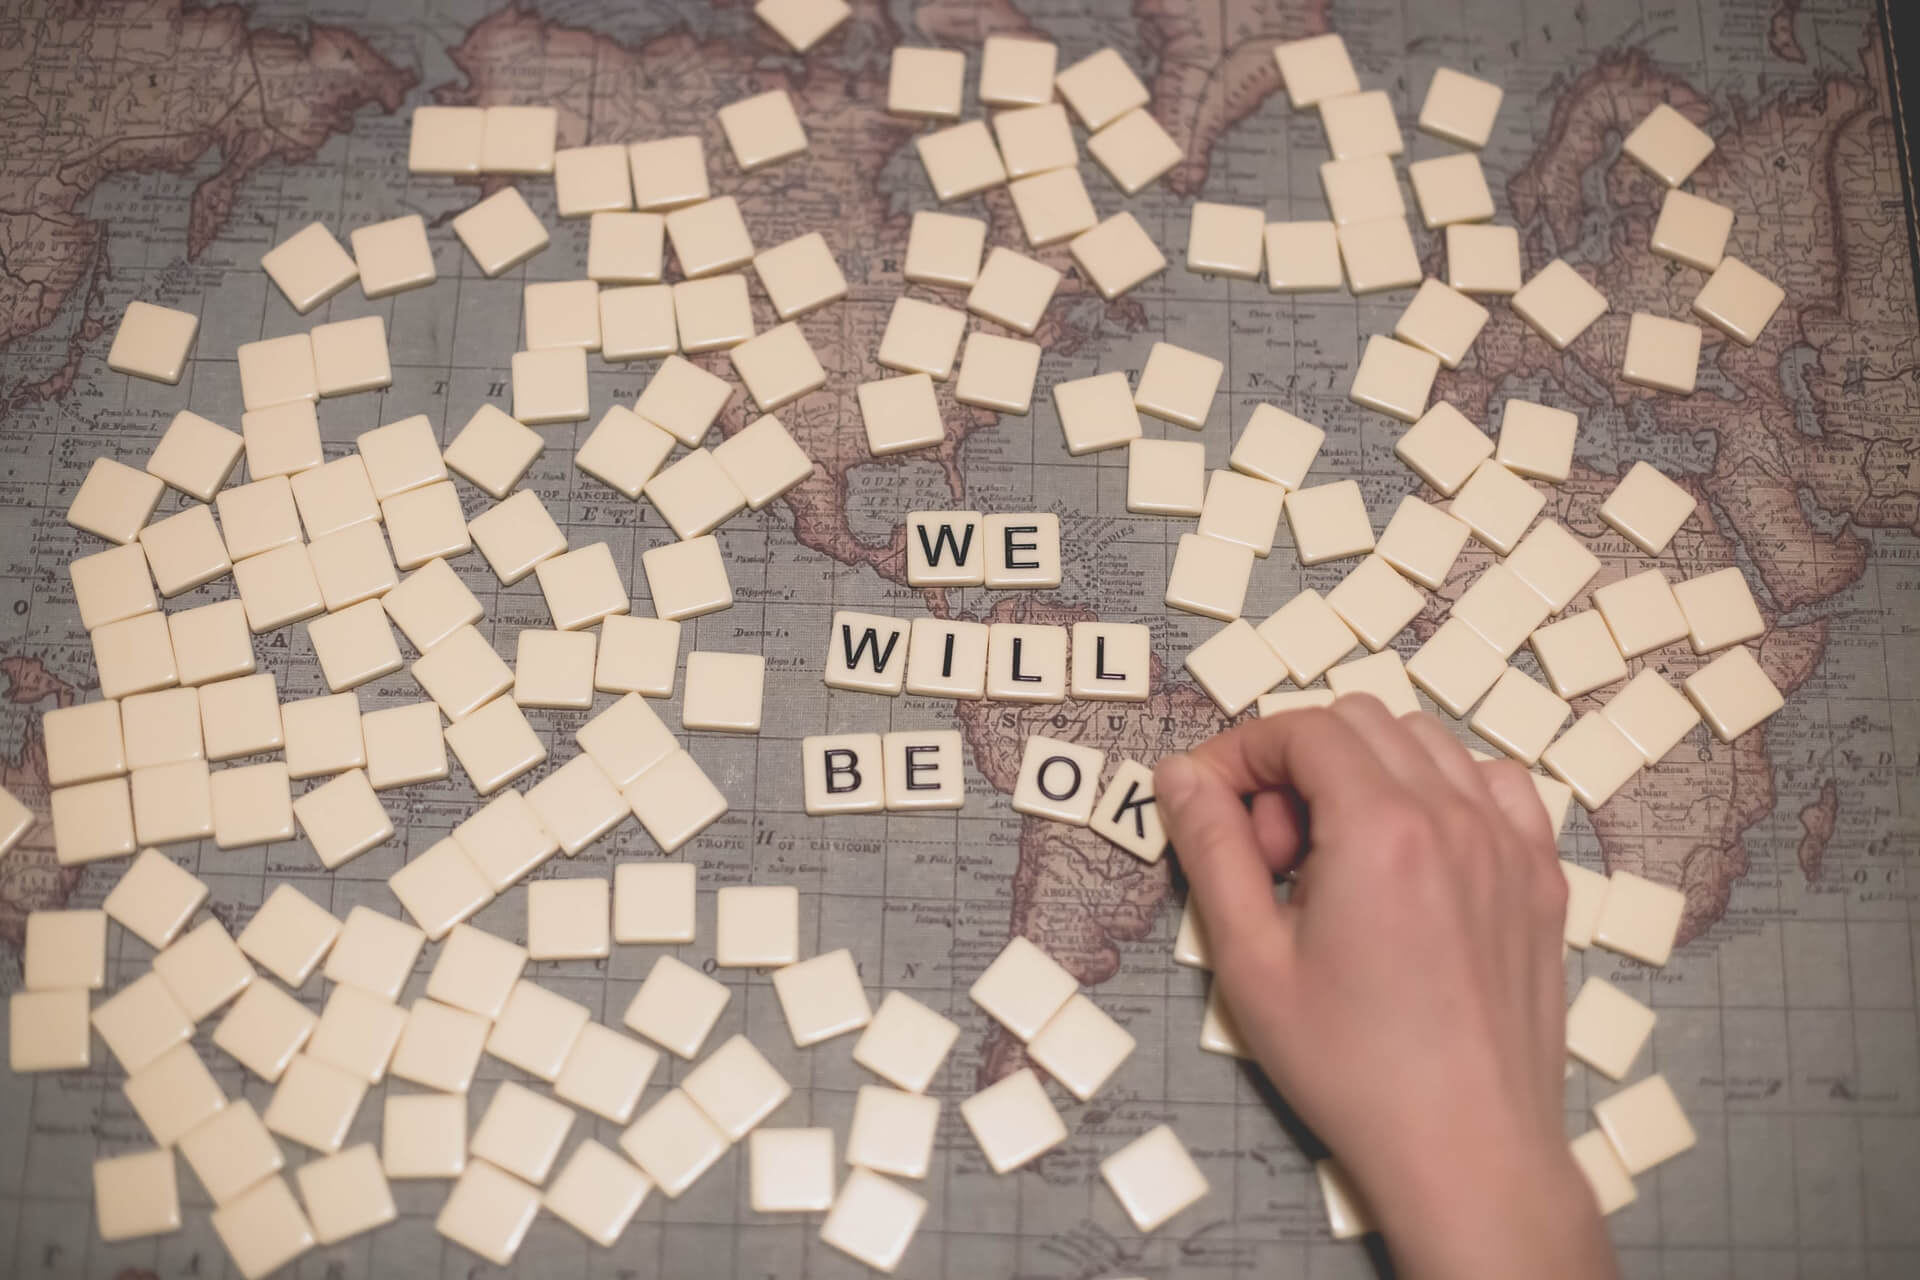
x,y
923,769
1022,550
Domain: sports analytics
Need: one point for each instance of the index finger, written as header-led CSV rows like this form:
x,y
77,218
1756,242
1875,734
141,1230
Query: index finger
x,y
1317,753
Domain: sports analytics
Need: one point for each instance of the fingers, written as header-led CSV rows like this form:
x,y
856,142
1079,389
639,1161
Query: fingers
x,y
1212,833
1278,830
1313,751
1402,754
1447,756
1518,800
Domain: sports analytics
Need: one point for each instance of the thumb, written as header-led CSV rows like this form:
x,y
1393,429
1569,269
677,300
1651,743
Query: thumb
x,y
1212,835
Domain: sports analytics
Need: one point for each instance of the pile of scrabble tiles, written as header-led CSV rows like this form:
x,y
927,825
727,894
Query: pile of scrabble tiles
x,y
327,542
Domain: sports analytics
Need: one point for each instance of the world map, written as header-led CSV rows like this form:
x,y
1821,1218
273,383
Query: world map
x,y
150,149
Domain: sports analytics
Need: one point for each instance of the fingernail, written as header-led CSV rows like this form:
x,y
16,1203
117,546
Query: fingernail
x,y
1174,779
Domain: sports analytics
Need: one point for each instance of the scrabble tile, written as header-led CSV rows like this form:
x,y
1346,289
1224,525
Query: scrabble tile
x,y
1647,508
258,517
683,399
723,692
350,356
1606,1028
1443,448
431,604
623,450
1375,602
195,456
1100,88
446,140
346,1194
637,655
961,160
1456,666
1235,666
263,1030
550,385
926,82
1024,986
893,1132
172,802
1594,758
606,1072
582,586
1578,654
392,256
597,1193
711,314
667,172
84,742
426,524
439,1047
626,740
495,745
440,888
352,564
1644,1124
1315,69
1081,1047
1559,303
1733,693
281,440
997,373
921,337
92,821
500,232
153,899
1669,146
1460,107
314,1104
1692,230
653,902
1209,576
1661,353
488,1212
1013,290
946,548
15,820
673,1142
1034,140
231,1151
1112,661
152,342
1348,1216
65,950
1738,300
141,1021
1153,1178
1117,255
358,1032
1497,506
867,652
518,139
185,550
476,971
791,1170
1227,240
947,659
1609,1180
1053,206
516,536
1013,1121
900,414
1361,189
1378,254
588,180
521,1132
1190,945
136,1195
1641,612
1719,609
424,1135
263,1229
241,717
1394,378
1303,257
1016,72
1537,441
800,275
1444,321
762,129
687,579
1652,714
676,1007
905,1044
1586,895
553,669
709,237
342,819
1423,542
276,370
1165,477
1307,636
758,926
675,801
624,248
1451,189
1520,716
561,313
1135,150
211,642
493,451
354,645
251,805
943,249
1178,385
1026,663
1361,124
873,1220
111,585
323,735
763,461
578,804
1329,522
536,1030
1501,608
778,366
1382,675
821,997
1638,917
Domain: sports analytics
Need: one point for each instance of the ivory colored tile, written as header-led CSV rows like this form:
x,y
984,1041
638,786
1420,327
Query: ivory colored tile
x,y
762,129
281,440
675,801
1016,72
1226,239
518,139
161,727
597,1193
1734,693
494,451
352,564
323,735
1135,150
1456,666
1117,255
900,414
1153,1178
1013,1121
517,535
195,456
905,1044
495,745
1501,608
582,586
589,180
605,1072
111,585
624,248
1578,654
1647,508
673,1142
263,1030
1307,636
1394,378
1348,1216
687,579
1692,230
354,646
153,899
152,342
668,172
426,524
1669,146
1645,1124
241,717
1165,477
554,669
488,1212
711,314
791,1170
1190,946
1641,612
314,1104
1023,550
550,385
874,660
1329,522
1639,918
476,971
946,548
263,1229
346,1194
141,1021
683,399
1606,1028
1035,139
1608,1178
1559,303
1361,124
1375,602
1315,69
258,517
536,1030
723,692
1586,896
676,1006
1026,662
289,935
921,337
960,160
1443,448
136,1195
873,1220
439,1048
943,249
1460,108
1053,206
185,550
1235,666
1483,259
1380,674
231,1151
440,888
822,998
926,82
276,370
1537,441
1361,189
1013,290
521,1132
561,313
624,450
358,1033
626,740
211,643
763,461
800,275
568,919
1497,506
923,770
1423,542
1303,257
653,902
709,237
1378,254
1081,1047
1661,353
1444,321
1209,577
350,356
1451,189
424,1135
1594,758
1738,300
1719,609
1024,986
695,495
1100,88
995,373
1652,714
84,742
501,231
758,926
1520,716
92,821
392,256
1177,385
1126,815
736,1088
65,950
374,952
172,802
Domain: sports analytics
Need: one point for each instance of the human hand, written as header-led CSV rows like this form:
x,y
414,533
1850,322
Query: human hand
x,y
1409,1000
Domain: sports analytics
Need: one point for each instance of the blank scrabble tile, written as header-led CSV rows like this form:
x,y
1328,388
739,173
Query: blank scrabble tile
x,y
185,550
1451,189
873,1220
1537,441
1497,506
943,249
494,451
518,139
550,385
501,231
251,805
91,821
1329,522
1594,758
352,564
1016,72
231,1151
1177,385
1606,1028
1441,320
1100,88
84,742
1578,654
582,586
709,237
476,971
687,579
1423,542
569,919
1023,987
1361,124
1738,301
446,140
1235,666
1647,508
112,584
1117,255
676,1006
561,313
263,1229
1641,612
521,1132
346,1194
426,524
276,370
668,172
624,450
1053,206
154,898
314,1104
1559,303
1209,576
1243,509
1662,354
637,655
711,314
258,517
211,642
1586,895
1378,254
141,1021
504,840
1013,290
342,818
1460,108
757,926
1375,602
1135,150
778,366
152,342
624,248
1719,609
241,717
1653,714
536,1030
926,82
1362,189
516,536
488,1212
1153,1178
439,1047
1081,1047
1483,259
683,400
1315,69
1639,918
1226,239
597,1193
821,997
1382,675
136,1195
1692,230
262,1032
172,802
195,456
65,950
495,745
800,275
791,1170
1520,716
723,692
423,1135
921,337
673,1142
1669,146
995,373
357,1032
905,1043
323,735
1456,666
1307,636
431,604
440,887
675,801
350,356
1035,139
393,255
1348,1216
1394,378
553,669
762,129
1503,609
763,461
892,1131
1303,257
1644,1124
1733,693
281,439
354,645
578,804
605,1072
1166,477
590,180
1609,1180
1013,1121
900,414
